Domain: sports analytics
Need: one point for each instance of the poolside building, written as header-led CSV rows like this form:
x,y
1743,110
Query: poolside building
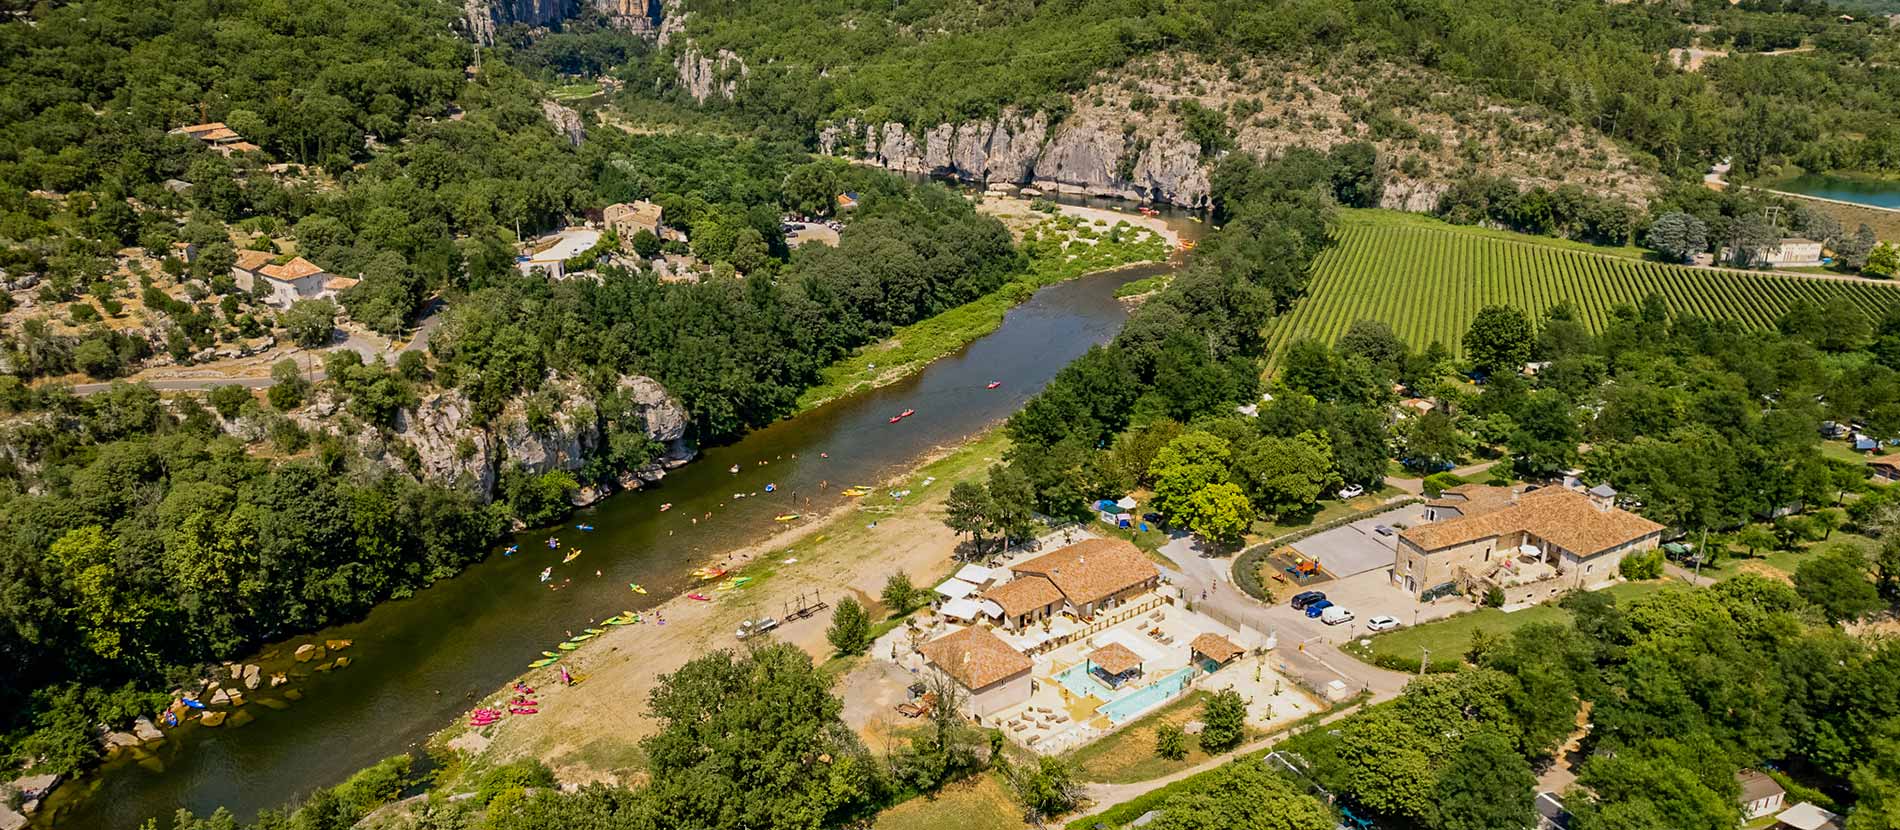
x,y
1115,664
993,675
1082,579
1213,651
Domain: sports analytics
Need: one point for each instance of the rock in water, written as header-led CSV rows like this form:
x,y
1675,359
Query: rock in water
x,y
213,719
338,645
146,730
342,661
305,652
278,679
220,697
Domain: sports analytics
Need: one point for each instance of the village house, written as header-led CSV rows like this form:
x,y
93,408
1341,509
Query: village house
x,y
282,284
1793,252
221,139
1081,579
1529,545
1884,469
993,675
629,218
1760,796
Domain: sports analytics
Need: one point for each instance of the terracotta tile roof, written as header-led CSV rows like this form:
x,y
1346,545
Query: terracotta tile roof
x,y
194,129
975,657
296,269
1023,594
1089,571
1216,648
243,147
219,134
340,283
1473,499
1115,658
641,214
252,260
1885,463
1562,517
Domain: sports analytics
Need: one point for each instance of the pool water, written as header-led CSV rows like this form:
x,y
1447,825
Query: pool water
x,y
1141,700
1082,683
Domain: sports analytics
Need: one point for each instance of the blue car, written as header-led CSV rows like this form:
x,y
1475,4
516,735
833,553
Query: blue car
x,y
1313,611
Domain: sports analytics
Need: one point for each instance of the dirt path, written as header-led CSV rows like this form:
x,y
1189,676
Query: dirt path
x,y
590,732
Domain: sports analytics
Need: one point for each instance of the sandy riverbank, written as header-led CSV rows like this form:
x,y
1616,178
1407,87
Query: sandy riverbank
x,y
1016,213
590,732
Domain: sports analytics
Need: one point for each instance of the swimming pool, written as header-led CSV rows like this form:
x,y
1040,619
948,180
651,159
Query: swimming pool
x,y
1081,683
1141,700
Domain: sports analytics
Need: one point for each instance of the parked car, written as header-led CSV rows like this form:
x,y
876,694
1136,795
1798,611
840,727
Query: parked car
x,y
1334,615
1352,491
1382,530
1301,600
1317,608
753,628
1382,623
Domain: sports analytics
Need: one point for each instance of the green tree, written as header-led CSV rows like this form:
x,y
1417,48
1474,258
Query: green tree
x,y
1677,236
1047,787
1171,741
899,595
1486,785
1836,581
1242,795
968,510
1545,443
1223,721
1499,339
1430,442
754,740
1188,463
309,323
1882,261
1012,503
288,386
850,631
229,399
1287,476
1219,513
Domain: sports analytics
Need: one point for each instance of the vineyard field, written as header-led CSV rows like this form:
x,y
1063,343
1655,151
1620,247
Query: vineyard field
x,y
1427,281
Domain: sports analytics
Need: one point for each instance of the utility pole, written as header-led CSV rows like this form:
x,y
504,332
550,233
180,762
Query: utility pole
x,y
1424,659
1701,553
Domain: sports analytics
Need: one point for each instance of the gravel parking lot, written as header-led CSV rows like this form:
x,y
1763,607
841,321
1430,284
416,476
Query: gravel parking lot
x,y
1357,547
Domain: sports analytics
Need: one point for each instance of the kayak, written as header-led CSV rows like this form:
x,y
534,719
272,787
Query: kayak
x,y
770,488
543,662
709,573
993,384
568,646
907,413
595,631
784,517
588,528
512,550
549,654
546,573
665,507
571,557
635,587
700,597
580,638
855,492
553,543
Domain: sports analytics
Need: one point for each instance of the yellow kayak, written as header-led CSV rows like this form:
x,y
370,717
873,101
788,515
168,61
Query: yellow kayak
x,y
784,517
855,492
571,557
568,646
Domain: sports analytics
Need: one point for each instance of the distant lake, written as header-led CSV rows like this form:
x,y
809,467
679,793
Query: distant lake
x,y
1875,192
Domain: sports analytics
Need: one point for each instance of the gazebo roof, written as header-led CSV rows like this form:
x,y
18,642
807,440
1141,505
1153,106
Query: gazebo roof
x,y
1115,658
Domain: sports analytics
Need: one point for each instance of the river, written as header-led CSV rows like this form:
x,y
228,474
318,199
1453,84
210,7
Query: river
x,y
416,662
1882,193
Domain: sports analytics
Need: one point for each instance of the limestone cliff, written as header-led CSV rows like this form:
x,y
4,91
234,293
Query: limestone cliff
x,y
565,121
561,427
703,77
483,17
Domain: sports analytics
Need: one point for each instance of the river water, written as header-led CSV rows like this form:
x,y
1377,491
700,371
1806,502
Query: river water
x,y
417,663
1873,192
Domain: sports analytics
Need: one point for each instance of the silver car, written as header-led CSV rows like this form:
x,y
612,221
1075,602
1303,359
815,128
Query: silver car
x,y
1382,623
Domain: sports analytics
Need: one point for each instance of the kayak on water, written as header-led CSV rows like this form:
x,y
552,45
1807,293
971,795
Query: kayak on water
x,y
785,517
993,384
571,557
665,507
907,413
553,543
512,550
734,469
584,527
770,488
635,587
546,574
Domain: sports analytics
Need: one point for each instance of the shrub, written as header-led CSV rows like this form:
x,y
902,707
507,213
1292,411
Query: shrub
x,y
1437,483
513,777
1645,565
850,631
1224,721
1171,742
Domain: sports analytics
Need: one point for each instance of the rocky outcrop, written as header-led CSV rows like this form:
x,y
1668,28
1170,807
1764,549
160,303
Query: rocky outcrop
x,y
450,450
1416,195
565,121
1073,158
483,17
703,77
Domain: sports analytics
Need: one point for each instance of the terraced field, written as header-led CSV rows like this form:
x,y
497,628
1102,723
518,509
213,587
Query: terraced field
x,y
1427,280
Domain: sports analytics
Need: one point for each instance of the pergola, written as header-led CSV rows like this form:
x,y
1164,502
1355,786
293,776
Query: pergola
x,y
1115,664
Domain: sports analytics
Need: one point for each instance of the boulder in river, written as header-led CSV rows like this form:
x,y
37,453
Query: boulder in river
x,y
220,697
306,652
11,819
213,719
342,661
117,740
146,730
278,679
338,645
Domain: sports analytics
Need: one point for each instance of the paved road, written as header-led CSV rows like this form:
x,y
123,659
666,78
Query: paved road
x,y
363,345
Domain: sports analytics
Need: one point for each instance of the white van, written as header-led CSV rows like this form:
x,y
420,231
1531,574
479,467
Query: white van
x,y
1334,615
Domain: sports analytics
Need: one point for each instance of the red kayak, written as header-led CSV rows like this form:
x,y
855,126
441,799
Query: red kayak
x,y
896,418
907,413
700,597
993,384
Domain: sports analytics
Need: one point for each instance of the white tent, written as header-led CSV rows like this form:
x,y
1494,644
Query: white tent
x,y
975,574
964,609
955,589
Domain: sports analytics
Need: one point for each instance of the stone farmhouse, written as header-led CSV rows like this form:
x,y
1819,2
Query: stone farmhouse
x,y
1531,545
284,283
1081,579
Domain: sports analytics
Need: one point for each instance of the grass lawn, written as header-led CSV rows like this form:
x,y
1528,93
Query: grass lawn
x,y
1129,755
1450,637
1333,509
982,802
1842,451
